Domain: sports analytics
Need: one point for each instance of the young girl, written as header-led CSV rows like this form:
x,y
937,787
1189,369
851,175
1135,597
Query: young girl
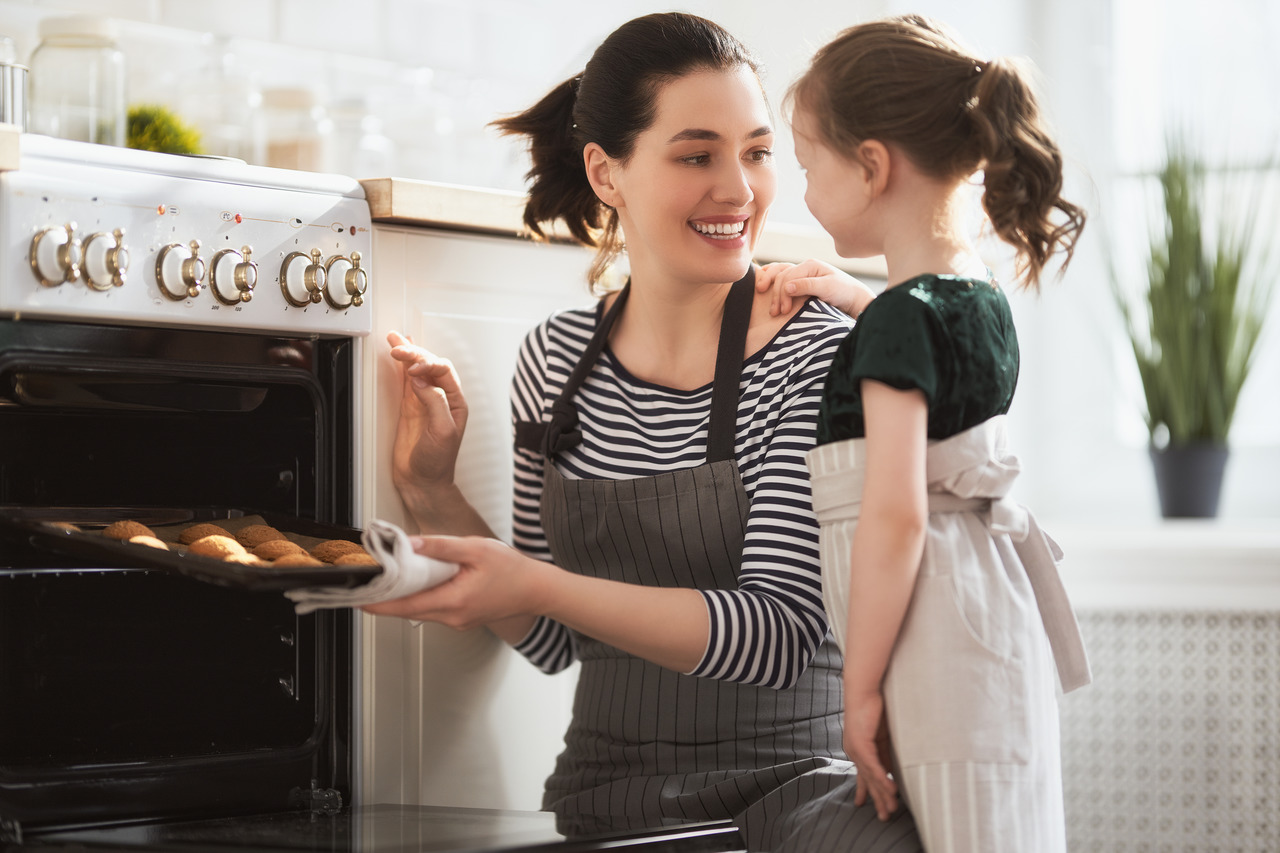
x,y
946,597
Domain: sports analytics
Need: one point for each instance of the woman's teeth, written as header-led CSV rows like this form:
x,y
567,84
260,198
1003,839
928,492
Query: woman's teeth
x,y
721,230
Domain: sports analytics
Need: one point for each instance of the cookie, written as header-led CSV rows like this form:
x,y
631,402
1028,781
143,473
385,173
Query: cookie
x,y
255,534
296,561
149,541
356,558
246,559
217,546
332,549
125,530
277,548
199,531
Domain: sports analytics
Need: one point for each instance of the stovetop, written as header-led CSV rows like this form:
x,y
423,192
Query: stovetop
x,y
393,829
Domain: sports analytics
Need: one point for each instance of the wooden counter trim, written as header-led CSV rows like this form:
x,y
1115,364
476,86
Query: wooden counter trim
x,y
428,204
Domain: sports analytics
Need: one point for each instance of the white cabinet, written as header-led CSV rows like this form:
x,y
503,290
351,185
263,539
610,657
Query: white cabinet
x,y
456,718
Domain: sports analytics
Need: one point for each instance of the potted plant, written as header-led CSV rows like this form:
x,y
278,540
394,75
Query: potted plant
x,y
1194,330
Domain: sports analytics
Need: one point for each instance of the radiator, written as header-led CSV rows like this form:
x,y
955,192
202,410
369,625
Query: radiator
x,y
1175,747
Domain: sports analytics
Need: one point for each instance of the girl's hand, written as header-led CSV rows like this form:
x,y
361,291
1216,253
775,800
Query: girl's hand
x,y
866,740
494,583
812,278
433,417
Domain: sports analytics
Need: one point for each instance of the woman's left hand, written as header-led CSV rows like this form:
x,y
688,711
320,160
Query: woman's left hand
x,y
866,740
494,583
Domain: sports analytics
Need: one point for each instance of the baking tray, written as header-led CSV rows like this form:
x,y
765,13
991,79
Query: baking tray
x,y
38,528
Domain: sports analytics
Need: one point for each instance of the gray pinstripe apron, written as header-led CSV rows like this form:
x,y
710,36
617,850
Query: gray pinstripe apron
x,y
648,745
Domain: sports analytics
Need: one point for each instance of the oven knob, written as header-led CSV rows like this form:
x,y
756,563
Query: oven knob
x,y
302,282
233,276
347,282
105,265
180,270
55,255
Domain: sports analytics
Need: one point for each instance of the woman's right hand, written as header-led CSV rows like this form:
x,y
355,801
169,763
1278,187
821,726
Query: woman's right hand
x,y
433,417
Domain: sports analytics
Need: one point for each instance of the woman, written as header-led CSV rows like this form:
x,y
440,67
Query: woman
x,y
663,525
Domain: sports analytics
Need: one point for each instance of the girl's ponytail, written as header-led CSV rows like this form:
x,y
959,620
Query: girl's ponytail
x,y
908,80
1022,170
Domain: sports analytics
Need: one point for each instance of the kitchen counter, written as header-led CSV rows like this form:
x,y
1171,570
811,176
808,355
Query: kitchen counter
x,y
402,201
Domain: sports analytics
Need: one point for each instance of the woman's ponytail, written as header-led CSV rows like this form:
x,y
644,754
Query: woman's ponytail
x,y
558,185
1022,170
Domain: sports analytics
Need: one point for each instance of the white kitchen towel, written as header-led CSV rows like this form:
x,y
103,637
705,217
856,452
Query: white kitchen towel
x,y
404,572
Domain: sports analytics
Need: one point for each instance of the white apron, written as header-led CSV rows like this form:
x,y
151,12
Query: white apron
x,y
970,690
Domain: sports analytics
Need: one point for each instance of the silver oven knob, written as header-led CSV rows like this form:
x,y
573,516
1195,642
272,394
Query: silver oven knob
x,y
347,282
180,270
106,260
233,276
55,255
300,281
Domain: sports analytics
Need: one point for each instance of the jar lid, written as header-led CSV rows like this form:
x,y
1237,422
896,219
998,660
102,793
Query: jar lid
x,y
94,26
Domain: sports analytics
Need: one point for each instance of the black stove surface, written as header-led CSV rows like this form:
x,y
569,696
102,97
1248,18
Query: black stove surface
x,y
391,829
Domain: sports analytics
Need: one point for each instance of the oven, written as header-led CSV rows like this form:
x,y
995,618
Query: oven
x,y
182,341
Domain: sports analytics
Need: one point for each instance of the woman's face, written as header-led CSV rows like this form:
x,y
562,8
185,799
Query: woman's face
x,y
836,190
693,197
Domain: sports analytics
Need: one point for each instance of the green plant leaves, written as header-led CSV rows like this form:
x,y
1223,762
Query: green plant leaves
x,y
1193,335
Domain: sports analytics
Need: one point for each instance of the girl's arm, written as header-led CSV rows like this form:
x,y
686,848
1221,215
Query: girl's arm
x,y
887,548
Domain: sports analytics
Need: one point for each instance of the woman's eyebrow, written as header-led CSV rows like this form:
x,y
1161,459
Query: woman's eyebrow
x,y
702,134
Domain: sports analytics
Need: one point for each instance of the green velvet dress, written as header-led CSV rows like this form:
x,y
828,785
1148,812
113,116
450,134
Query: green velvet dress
x,y
950,337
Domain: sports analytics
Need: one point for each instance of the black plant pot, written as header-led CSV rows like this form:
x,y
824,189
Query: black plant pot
x,y
1189,479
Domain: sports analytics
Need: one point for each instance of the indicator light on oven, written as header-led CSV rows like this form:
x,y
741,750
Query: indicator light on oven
x,y
56,255
239,219
161,209
106,260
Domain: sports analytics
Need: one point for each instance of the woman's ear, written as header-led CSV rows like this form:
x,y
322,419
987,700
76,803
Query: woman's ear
x,y
600,172
875,160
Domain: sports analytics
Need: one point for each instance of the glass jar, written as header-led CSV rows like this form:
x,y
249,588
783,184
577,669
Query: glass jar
x,y
77,84
13,86
298,129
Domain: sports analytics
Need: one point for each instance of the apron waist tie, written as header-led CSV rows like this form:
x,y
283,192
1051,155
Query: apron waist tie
x,y
1040,556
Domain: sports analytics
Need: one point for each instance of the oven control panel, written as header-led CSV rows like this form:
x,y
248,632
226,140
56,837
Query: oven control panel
x,y
99,234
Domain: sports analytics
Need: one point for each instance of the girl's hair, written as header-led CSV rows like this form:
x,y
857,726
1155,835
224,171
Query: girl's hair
x,y
908,81
610,103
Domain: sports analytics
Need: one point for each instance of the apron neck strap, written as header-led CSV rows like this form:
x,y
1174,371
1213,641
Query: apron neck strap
x,y
562,433
723,428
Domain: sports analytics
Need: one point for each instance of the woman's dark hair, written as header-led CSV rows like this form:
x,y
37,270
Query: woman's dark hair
x,y
908,81
610,103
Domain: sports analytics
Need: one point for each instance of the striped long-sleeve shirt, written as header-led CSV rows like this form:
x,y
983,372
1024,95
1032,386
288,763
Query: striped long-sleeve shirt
x,y
765,631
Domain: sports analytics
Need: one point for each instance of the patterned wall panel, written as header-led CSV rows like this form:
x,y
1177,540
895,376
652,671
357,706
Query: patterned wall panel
x,y
1175,747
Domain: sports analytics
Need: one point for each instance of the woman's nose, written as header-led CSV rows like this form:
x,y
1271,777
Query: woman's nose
x,y
732,186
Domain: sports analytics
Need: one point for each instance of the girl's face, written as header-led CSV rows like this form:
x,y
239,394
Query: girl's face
x,y
837,190
692,199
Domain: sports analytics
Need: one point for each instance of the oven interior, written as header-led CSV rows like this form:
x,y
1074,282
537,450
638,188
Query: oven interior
x,y
129,694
